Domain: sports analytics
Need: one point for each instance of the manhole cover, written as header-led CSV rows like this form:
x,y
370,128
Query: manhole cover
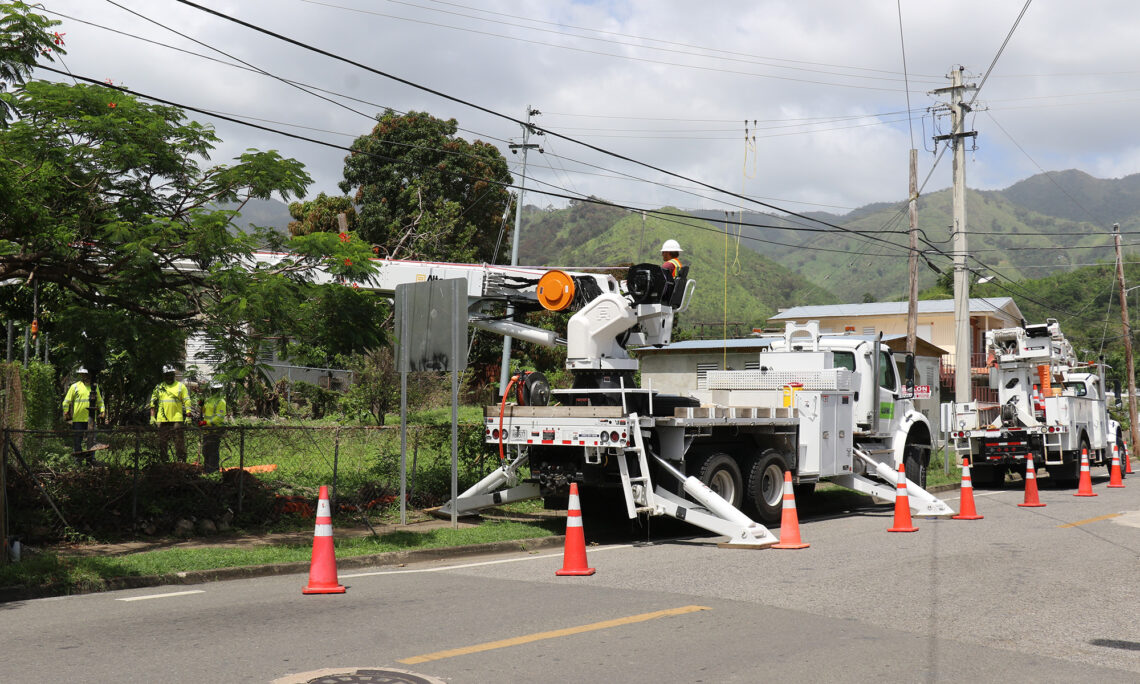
x,y
355,675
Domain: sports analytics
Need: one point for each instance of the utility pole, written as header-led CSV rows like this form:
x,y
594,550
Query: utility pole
x,y
1134,431
505,372
912,301
958,109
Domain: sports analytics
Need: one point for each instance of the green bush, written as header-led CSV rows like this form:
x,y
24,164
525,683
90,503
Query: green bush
x,y
41,398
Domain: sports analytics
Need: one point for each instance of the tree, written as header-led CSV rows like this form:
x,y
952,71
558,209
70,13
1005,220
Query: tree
x,y
425,193
108,222
24,38
321,214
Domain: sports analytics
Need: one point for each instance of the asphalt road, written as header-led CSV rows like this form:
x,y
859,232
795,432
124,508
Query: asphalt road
x,y
1029,594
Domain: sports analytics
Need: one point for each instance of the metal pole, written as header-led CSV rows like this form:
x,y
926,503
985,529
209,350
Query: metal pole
x,y
505,371
336,459
135,479
454,448
4,497
1134,431
241,465
403,447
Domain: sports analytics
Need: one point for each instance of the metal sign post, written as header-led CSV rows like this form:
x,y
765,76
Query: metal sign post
x,y
431,335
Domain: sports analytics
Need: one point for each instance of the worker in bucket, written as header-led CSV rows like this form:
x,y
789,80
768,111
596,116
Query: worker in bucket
x,y
169,410
82,401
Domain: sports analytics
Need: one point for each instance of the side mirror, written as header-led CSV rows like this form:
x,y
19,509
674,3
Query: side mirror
x,y
908,371
1116,391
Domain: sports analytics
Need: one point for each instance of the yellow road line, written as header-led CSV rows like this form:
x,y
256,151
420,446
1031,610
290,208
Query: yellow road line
x,y
539,636
1090,520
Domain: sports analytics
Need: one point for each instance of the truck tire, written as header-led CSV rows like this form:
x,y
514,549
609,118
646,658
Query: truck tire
x,y
766,486
720,473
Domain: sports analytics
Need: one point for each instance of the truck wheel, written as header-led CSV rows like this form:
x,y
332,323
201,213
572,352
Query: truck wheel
x,y
766,486
720,473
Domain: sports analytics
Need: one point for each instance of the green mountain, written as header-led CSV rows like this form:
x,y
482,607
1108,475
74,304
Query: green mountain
x,y
1038,226
736,287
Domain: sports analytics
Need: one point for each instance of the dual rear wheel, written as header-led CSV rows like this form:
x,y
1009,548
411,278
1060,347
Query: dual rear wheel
x,y
762,486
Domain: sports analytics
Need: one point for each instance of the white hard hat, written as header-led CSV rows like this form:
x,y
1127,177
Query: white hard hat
x,y
215,385
81,370
671,246
168,369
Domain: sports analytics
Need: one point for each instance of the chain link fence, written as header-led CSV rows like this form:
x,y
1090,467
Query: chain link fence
x,y
134,483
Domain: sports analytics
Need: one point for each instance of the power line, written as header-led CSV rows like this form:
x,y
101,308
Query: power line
x,y
489,111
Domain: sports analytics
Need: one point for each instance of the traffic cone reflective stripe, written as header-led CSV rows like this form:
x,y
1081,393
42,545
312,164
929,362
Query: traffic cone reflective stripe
x,y
1115,479
574,554
1031,498
1085,488
902,505
322,568
967,510
789,520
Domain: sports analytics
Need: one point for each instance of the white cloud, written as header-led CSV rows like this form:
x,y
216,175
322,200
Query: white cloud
x,y
1063,88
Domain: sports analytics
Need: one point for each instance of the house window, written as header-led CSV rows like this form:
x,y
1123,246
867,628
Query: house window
x,y
869,330
751,365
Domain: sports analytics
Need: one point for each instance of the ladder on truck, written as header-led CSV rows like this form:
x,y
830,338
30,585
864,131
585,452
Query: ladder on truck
x,y
711,512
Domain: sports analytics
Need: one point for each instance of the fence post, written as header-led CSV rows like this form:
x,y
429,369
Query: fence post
x,y
241,465
135,479
4,498
336,459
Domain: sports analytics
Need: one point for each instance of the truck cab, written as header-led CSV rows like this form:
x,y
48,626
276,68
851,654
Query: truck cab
x,y
886,422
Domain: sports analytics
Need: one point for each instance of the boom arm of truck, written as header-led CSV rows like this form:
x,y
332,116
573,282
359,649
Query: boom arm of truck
x,y
609,315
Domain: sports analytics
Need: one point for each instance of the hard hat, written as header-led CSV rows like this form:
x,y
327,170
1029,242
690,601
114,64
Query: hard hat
x,y
216,385
81,370
671,246
168,369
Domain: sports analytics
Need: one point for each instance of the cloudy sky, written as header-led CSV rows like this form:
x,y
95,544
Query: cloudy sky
x,y
800,103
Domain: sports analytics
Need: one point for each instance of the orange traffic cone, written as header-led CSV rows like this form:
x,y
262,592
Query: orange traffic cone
x,y
1115,479
1031,498
574,555
1127,461
1085,487
902,505
789,520
967,510
322,569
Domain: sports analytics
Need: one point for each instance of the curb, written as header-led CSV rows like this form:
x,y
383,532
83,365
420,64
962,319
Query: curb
x,y
221,574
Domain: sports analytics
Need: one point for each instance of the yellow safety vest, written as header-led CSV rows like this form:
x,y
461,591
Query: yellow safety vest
x,y
78,400
171,402
214,411
676,266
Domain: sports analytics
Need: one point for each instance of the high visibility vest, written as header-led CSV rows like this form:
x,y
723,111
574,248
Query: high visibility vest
x,y
214,411
78,400
171,402
676,266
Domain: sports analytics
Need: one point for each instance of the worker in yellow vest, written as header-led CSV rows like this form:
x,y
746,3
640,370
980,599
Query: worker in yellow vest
x,y
213,417
81,404
170,410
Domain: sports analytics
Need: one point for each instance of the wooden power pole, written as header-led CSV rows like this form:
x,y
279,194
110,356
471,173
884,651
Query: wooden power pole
x,y
957,138
1133,432
912,301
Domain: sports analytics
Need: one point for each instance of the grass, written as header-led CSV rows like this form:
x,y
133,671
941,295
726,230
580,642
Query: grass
x,y
59,573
